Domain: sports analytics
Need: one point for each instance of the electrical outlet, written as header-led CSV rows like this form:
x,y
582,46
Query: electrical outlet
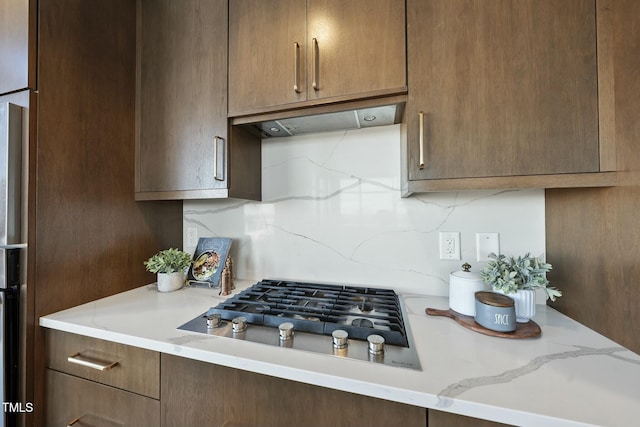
x,y
485,244
450,245
192,236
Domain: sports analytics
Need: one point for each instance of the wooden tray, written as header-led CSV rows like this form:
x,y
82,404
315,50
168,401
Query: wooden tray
x,y
523,330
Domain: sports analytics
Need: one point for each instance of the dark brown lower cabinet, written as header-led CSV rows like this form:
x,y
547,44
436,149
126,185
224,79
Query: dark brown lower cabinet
x,y
445,419
203,394
76,401
193,393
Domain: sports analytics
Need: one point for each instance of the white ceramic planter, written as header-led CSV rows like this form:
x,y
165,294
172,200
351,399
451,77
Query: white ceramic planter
x,y
169,282
525,304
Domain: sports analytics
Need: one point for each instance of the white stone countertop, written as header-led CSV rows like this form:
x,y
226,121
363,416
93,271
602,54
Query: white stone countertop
x,y
569,376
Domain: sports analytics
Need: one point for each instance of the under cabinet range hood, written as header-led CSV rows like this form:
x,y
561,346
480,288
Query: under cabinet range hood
x,y
327,122
317,120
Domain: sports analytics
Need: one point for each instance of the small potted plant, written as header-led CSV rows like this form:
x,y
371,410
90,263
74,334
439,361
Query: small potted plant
x,y
170,265
519,278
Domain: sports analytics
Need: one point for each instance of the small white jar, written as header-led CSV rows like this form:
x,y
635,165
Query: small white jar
x,y
463,286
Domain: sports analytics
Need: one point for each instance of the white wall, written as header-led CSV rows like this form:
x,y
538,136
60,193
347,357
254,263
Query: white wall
x,y
332,211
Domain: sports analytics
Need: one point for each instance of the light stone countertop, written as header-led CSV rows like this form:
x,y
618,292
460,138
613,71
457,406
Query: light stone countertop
x,y
570,376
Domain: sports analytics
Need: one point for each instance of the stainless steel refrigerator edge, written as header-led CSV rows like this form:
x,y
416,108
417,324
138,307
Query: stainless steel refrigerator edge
x,y
11,244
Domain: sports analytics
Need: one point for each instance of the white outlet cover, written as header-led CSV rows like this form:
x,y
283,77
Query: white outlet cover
x,y
450,245
192,236
487,243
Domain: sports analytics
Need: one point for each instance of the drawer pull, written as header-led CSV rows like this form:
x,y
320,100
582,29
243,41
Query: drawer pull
x,y
93,420
77,359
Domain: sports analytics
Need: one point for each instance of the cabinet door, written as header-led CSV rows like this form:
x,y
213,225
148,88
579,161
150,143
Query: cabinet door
x,y
356,47
506,87
182,97
293,53
75,401
14,45
204,394
267,54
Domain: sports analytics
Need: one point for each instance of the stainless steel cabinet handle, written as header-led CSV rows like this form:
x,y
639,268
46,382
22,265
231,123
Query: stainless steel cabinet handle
x,y
421,164
296,58
218,157
316,60
78,359
93,420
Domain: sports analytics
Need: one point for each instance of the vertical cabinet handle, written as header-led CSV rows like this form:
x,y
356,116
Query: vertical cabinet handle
x,y
316,60
296,60
421,164
218,158
78,359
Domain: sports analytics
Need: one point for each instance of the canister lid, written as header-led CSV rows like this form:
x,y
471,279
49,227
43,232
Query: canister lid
x,y
494,299
466,273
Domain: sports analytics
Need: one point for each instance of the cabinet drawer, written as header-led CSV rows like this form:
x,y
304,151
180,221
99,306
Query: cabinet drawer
x,y
129,368
75,401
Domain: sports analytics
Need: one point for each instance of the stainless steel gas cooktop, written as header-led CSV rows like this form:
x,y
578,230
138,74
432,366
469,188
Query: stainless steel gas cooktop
x,y
343,321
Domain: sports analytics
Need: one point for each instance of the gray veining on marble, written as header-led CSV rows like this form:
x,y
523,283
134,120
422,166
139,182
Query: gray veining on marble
x,y
332,211
465,385
570,376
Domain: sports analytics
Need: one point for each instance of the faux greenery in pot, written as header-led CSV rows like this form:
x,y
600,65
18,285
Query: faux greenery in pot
x,y
168,261
510,274
170,265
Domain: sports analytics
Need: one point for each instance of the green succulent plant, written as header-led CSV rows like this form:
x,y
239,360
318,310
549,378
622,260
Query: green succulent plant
x,y
510,274
168,261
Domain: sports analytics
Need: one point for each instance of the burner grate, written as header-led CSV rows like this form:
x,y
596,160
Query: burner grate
x,y
320,309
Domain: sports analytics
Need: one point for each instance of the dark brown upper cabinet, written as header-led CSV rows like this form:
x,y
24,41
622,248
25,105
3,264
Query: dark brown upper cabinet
x,y
508,94
185,148
287,54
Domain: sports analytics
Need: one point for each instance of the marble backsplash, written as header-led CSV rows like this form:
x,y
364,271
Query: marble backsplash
x,y
332,211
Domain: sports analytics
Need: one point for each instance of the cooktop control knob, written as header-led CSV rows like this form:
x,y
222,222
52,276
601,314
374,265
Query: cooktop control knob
x,y
213,321
376,344
239,324
340,338
286,331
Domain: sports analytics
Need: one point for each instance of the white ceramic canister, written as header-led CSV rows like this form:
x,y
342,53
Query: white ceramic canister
x,y
463,286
